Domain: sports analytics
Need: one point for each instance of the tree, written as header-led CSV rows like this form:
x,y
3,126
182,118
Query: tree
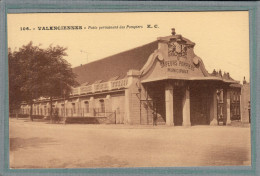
x,y
24,80
36,72
14,71
58,76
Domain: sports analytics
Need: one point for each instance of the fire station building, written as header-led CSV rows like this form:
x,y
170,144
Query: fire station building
x,y
164,76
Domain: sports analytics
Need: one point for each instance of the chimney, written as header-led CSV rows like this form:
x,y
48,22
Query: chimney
x,y
244,81
220,73
173,31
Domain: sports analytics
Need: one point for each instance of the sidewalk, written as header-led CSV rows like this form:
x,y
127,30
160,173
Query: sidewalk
x,y
42,145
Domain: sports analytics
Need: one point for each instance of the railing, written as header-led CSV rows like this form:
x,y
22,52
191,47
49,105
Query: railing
x,y
101,87
106,86
119,84
110,85
85,89
112,116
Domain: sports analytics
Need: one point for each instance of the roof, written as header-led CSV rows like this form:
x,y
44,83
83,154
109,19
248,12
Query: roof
x,y
116,65
236,85
225,77
168,38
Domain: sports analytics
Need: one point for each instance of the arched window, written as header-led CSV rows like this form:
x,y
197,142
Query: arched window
x,y
87,106
102,106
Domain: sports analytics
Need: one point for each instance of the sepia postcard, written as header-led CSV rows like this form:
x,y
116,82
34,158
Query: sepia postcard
x,y
129,90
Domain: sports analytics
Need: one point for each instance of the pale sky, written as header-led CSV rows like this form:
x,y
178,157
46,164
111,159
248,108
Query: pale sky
x,y
222,38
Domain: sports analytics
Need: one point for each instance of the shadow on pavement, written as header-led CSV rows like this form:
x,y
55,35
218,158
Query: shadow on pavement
x,y
19,143
229,156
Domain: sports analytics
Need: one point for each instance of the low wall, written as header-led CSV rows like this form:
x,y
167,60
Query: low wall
x,y
88,120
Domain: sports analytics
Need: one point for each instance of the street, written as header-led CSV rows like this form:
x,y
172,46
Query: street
x,y
40,144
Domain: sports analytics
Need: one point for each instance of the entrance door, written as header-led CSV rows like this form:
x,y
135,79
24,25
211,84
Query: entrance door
x,y
199,102
177,106
235,105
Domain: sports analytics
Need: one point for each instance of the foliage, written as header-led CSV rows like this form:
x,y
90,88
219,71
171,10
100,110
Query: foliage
x,y
57,75
36,72
15,96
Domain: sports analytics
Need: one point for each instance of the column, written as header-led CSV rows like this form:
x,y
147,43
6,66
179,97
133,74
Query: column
x,y
169,104
91,106
186,107
108,105
65,108
213,108
127,107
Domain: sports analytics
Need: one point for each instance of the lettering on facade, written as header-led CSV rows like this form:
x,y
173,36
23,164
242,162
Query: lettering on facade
x,y
174,63
169,63
186,65
178,70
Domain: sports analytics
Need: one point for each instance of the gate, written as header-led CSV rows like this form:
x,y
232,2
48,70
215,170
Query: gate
x,y
235,105
220,107
146,110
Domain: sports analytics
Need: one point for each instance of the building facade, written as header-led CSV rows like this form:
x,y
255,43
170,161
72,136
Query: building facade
x,y
165,77
245,102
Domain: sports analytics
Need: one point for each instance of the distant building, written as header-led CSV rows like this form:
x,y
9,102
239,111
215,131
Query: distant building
x,y
164,76
245,102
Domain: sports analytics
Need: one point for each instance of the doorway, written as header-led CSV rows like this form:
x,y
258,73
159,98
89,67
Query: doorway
x,y
177,106
199,105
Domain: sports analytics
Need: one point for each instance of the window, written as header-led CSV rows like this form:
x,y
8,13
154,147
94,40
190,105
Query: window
x,y
62,109
238,97
45,112
87,106
102,106
220,95
73,108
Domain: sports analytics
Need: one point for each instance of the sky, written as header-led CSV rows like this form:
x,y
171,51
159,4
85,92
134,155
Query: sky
x,y
222,38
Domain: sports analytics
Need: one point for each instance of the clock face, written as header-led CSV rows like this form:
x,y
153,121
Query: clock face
x,y
176,49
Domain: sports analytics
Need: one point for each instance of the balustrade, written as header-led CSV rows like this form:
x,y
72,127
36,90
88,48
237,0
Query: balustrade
x,y
118,84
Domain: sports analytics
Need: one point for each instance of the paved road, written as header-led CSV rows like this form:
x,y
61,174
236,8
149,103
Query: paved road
x,y
43,145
